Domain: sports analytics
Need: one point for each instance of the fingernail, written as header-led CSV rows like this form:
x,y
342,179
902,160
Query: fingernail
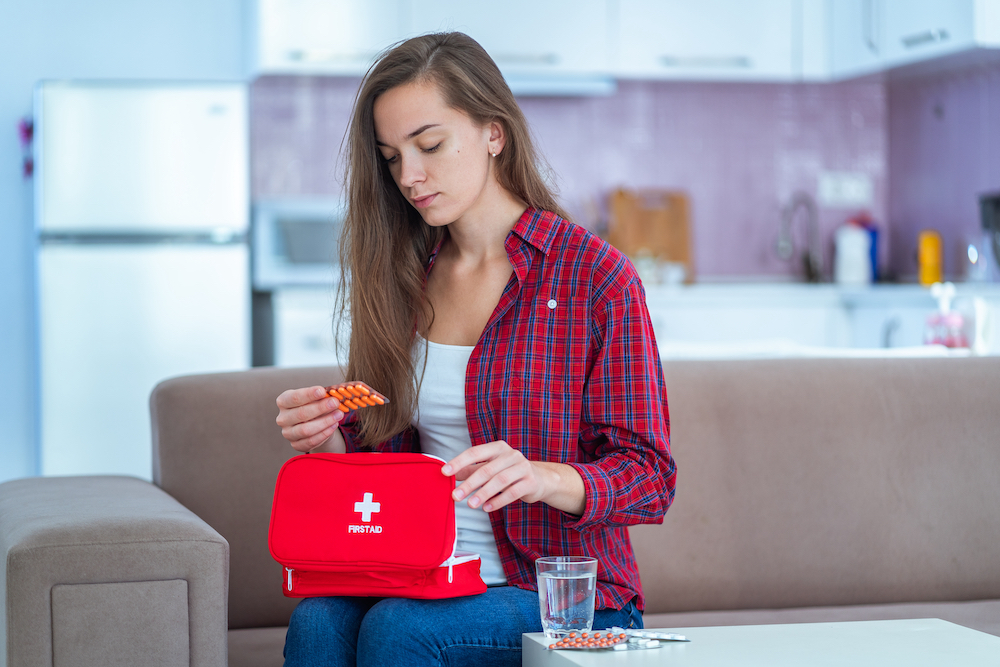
x,y
474,502
332,403
446,469
459,494
487,507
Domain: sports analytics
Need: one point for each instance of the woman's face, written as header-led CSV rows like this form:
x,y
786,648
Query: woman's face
x,y
438,157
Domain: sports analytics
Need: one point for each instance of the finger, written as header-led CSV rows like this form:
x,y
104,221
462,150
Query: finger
x,y
514,492
474,456
294,398
309,429
308,412
308,444
488,471
517,474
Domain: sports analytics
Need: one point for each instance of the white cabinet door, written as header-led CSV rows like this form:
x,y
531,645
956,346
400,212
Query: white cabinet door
x,y
708,39
855,37
526,37
338,37
303,328
921,29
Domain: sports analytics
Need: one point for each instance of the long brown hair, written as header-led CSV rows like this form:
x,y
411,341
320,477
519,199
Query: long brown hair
x,y
385,243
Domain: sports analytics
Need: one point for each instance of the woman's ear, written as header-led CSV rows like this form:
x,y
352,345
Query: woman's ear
x,y
498,138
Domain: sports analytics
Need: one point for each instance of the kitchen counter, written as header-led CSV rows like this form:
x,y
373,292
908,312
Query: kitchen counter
x,y
718,320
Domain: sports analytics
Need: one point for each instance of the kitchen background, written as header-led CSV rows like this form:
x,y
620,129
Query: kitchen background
x,y
923,140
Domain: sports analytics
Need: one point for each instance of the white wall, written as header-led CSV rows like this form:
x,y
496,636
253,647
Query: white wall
x,y
96,39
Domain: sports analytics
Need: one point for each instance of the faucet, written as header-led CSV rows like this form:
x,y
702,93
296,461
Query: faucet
x,y
811,258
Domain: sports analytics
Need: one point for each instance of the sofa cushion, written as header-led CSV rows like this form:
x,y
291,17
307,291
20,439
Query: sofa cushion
x,y
982,615
824,482
120,624
257,647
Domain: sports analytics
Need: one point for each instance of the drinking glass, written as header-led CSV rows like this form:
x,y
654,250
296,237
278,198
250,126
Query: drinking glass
x,y
566,587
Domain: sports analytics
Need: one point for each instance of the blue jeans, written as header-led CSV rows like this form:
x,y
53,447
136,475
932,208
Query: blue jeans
x,y
481,630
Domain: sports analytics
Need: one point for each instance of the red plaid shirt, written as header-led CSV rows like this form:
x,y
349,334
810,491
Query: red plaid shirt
x,y
567,370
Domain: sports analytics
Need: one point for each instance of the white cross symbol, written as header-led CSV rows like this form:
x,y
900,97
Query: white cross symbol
x,y
367,508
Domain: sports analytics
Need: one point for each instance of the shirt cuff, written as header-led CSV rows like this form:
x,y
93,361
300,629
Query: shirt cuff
x,y
598,494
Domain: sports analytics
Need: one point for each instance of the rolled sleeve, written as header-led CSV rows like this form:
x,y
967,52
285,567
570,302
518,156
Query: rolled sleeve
x,y
626,424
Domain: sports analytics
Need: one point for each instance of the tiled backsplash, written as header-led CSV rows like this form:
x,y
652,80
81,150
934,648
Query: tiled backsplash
x,y
740,151
944,151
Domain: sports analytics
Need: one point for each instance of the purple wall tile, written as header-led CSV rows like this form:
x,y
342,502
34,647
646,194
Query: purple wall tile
x,y
739,150
944,151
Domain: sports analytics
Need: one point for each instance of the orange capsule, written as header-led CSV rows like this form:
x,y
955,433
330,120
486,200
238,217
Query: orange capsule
x,y
552,646
343,408
572,634
350,404
623,636
365,400
354,390
339,393
363,389
585,634
378,399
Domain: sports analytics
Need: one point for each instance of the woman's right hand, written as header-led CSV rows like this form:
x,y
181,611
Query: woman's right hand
x,y
310,419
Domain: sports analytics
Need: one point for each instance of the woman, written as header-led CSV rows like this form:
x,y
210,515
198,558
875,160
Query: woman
x,y
513,344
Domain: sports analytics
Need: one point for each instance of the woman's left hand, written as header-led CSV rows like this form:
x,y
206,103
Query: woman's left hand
x,y
495,474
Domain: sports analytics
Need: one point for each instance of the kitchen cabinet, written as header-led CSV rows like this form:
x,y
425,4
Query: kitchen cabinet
x,y
855,39
303,327
527,37
708,40
868,36
331,37
920,29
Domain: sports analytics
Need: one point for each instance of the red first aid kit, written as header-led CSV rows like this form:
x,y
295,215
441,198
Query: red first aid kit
x,y
369,524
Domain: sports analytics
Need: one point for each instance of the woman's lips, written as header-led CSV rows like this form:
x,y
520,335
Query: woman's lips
x,y
425,201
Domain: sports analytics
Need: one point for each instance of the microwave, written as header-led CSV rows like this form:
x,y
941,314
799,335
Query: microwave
x,y
296,242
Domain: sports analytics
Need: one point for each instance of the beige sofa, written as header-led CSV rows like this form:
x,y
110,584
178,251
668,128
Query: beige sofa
x,y
808,490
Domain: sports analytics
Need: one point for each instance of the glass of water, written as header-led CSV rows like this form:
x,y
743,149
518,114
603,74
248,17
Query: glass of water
x,y
566,587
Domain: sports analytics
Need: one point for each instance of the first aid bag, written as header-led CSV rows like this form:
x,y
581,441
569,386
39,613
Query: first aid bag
x,y
369,524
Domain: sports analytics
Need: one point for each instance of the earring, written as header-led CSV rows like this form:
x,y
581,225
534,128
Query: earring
x,y
494,153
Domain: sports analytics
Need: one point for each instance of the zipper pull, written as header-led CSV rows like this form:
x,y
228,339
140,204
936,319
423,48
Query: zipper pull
x,y
451,562
289,571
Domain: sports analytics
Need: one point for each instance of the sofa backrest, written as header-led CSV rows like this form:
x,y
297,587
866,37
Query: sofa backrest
x,y
217,450
808,482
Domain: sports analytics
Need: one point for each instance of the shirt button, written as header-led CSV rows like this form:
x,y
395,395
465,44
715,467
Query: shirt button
x,y
552,304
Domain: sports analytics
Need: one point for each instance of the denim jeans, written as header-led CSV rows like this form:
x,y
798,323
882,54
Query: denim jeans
x,y
480,630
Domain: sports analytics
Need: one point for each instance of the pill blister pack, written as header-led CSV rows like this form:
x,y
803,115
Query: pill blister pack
x,y
356,395
615,639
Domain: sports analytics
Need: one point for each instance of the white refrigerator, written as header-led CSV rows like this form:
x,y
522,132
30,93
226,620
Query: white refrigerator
x,y
141,215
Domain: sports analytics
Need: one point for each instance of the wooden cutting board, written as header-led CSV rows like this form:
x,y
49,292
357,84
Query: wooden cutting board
x,y
652,222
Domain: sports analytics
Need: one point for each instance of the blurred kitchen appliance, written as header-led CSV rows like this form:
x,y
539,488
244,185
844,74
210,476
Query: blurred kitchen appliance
x,y
989,207
143,267
652,226
296,242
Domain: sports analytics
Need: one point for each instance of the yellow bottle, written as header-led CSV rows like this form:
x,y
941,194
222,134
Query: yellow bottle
x,y
930,257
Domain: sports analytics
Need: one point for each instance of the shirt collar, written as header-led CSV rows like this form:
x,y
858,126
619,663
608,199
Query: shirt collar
x,y
535,227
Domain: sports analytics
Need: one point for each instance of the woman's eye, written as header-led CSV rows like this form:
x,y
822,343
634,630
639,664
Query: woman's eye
x,y
391,160
433,148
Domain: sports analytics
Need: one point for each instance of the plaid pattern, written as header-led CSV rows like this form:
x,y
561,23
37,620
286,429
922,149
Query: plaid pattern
x,y
567,370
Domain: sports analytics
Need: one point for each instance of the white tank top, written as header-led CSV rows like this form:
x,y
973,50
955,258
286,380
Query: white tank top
x,y
440,421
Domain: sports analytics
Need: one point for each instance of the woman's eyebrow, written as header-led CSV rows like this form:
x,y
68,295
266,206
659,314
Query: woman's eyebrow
x,y
411,134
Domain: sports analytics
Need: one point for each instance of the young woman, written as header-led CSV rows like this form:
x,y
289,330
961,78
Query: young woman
x,y
513,344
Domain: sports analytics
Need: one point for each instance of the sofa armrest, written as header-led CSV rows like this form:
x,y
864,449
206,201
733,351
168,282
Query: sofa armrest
x,y
109,570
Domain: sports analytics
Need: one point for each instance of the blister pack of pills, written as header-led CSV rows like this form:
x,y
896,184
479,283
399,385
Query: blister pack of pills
x,y
356,395
615,639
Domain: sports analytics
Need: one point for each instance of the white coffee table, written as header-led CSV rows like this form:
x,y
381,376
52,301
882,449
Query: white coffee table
x,y
911,643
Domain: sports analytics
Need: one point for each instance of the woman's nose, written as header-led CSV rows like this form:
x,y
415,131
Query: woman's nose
x,y
411,171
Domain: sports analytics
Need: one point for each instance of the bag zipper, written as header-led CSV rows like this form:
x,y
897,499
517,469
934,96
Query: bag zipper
x,y
289,571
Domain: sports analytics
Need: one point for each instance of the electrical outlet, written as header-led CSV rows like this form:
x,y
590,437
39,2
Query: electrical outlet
x,y
842,189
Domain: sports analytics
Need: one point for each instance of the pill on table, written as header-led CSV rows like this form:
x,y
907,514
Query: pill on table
x,y
621,647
